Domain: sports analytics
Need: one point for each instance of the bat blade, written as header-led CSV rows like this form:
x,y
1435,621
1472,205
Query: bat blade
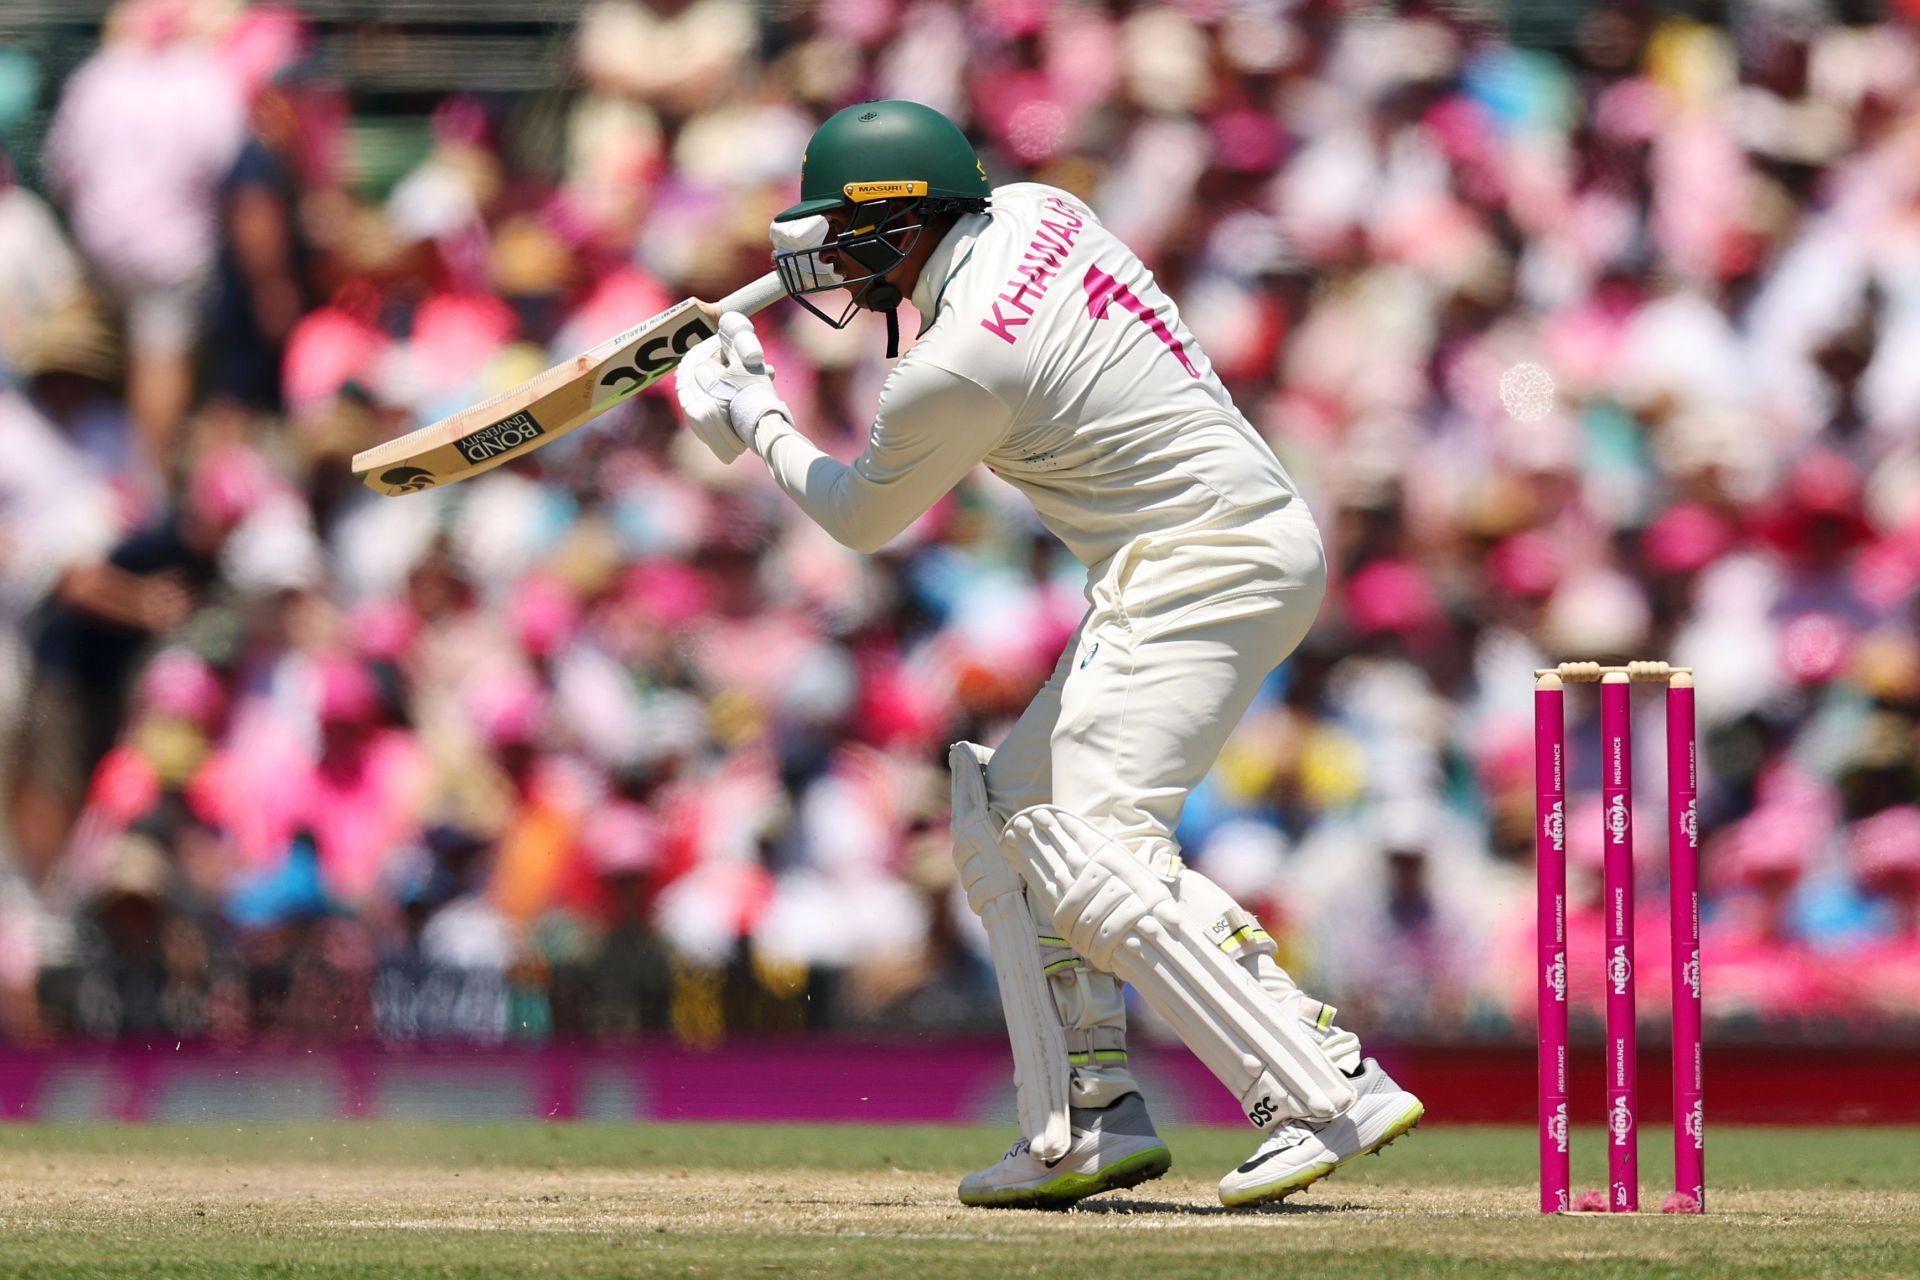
x,y
553,403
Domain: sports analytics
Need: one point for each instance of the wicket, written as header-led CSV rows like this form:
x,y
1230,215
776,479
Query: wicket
x,y
1616,794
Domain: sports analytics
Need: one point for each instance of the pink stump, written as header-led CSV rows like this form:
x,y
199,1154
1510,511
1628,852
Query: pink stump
x,y
1683,854
1550,887
1616,797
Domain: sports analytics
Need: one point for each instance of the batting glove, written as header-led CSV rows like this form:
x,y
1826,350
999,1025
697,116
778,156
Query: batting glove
x,y
725,388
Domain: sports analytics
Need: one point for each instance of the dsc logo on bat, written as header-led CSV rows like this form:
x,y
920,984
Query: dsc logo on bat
x,y
653,359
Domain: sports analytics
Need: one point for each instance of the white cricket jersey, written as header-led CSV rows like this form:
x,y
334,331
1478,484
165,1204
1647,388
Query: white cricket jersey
x,y
1053,358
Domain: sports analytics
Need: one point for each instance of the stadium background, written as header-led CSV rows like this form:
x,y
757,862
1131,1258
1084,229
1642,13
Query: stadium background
x,y
610,757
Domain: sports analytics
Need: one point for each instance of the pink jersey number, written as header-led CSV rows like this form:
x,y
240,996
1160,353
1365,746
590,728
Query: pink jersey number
x,y
1103,291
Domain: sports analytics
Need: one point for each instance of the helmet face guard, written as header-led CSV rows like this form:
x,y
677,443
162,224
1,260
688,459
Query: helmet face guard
x,y
886,234
887,167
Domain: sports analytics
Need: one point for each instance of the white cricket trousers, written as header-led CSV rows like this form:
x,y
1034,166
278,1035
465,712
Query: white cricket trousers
x,y
1181,631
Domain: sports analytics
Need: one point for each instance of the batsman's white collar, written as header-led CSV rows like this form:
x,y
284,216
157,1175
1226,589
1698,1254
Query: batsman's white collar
x,y
946,260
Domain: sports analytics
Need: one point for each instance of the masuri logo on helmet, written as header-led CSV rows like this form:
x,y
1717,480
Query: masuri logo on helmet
x,y
859,192
883,168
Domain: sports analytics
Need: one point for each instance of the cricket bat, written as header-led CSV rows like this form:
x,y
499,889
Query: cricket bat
x,y
549,405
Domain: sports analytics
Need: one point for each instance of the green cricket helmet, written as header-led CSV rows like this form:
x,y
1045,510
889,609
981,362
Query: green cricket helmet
x,y
887,150
888,165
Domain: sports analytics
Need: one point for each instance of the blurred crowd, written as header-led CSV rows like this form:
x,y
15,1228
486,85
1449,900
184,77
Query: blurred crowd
x,y
611,742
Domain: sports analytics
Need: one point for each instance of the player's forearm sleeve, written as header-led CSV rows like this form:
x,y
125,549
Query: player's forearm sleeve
x,y
932,427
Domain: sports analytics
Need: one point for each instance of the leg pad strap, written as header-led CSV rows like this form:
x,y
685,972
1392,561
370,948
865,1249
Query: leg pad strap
x,y
1124,919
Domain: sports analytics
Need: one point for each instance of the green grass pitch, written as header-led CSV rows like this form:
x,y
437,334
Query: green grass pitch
x,y
383,1200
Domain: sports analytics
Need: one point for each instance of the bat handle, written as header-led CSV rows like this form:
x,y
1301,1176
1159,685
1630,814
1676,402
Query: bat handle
x,y
757,296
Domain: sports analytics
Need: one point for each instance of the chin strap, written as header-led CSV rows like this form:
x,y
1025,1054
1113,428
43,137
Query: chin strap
x,y
882,296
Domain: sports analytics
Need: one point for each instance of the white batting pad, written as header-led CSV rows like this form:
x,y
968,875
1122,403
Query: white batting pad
x,y
1241,938
1040,1065
1124,919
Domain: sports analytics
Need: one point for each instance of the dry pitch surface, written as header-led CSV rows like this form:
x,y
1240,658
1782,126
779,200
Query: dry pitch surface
x,y
379,1200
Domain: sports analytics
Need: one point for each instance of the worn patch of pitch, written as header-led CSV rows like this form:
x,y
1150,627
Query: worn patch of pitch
x,y
311,1208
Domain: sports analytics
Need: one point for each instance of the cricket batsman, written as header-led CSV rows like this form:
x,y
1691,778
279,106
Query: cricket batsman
x,y
1047,352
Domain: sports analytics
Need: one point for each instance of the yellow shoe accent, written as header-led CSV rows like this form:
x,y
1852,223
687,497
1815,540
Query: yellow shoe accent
x,y
1274,1191
1071,1188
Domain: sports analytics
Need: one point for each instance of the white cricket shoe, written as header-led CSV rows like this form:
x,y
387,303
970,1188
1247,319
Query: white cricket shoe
x,y
1299,1153
1114,1146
